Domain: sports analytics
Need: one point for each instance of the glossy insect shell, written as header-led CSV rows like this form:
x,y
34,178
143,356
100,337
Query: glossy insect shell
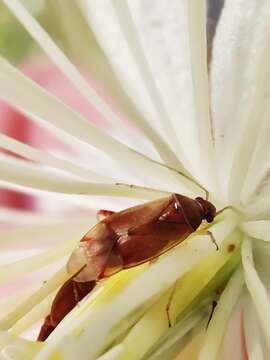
x,y
138,234
126,239
65,300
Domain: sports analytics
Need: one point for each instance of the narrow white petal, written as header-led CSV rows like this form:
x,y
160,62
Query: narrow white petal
x,y
154,325
162,33
38,312
252,333
26,305
19,268
256,288
233,341
34,218
25,174
259,207
261,255
128,28
257,179
10,301
176,338
78,37
238,42
45,158
217,326
258,229
254,118
64,202
60,59
46,110
198,56
45,235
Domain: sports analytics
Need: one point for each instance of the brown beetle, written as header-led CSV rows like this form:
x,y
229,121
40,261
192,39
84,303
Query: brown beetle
x,y
126,239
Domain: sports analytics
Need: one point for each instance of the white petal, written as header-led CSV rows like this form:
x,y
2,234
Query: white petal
x,y
257,229
175,338
43,236
259,208
34,154
27,304
238,44
25,174
37,313
79,37
217,326
161,31
233,345
256,288
19,268
254,118
59,58
257,180
252,333
261,256
198,55
73,129
60,206
129,30
10,301
18,217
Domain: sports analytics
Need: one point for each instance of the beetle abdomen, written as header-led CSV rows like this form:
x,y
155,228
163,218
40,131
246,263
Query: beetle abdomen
x,y
66,299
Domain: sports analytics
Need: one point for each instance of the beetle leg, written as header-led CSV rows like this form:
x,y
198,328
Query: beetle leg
x,y
102,214
170,302
208,233
214,304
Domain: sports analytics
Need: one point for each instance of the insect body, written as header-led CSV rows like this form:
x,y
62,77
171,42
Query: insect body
x,y
65,300
138,234
129,238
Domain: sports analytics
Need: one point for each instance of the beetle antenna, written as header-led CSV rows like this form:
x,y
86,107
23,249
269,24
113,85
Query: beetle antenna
x,y
191,179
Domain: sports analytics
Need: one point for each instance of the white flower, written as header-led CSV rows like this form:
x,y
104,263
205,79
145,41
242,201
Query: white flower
x,y
158,51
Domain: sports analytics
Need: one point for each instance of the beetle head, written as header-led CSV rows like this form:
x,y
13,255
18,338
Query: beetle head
x,y
209,210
